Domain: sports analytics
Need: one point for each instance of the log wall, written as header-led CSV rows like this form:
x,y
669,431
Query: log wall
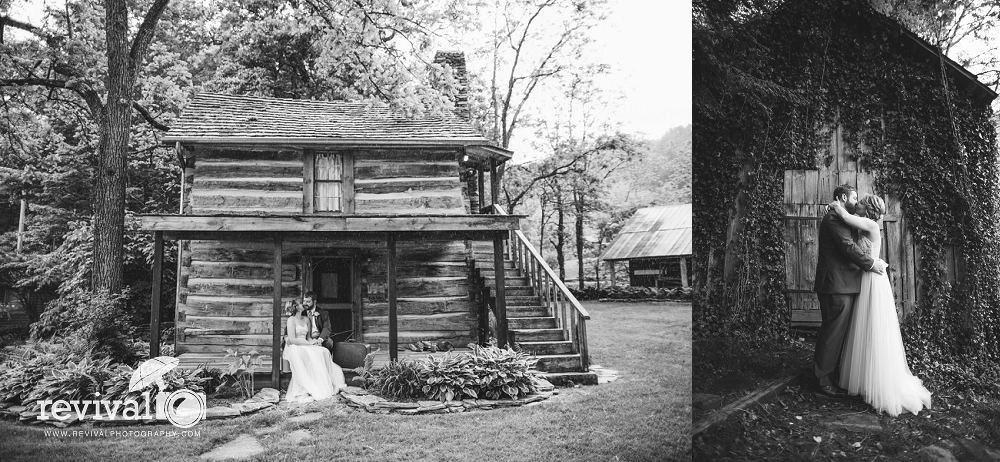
x,y
225,301
224,296
239,182
433,300
394,182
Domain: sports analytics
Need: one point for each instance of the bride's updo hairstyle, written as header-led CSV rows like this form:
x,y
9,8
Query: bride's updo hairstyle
x,y
293,307
874,206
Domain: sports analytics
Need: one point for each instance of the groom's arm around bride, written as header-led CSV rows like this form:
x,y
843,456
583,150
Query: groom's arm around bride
x,y
838,280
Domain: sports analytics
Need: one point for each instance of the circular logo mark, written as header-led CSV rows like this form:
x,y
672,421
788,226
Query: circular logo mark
x,y
184,408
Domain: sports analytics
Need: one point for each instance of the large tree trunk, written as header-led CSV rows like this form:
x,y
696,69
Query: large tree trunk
x,y
124,59
735,233
541,228
109,200
560,236
579,205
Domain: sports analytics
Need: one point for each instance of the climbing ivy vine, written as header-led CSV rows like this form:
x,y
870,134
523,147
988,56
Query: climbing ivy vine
x,y
769,77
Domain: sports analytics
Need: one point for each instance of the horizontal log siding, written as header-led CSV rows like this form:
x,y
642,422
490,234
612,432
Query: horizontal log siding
x,y
415,183
433,300
224,291
251,182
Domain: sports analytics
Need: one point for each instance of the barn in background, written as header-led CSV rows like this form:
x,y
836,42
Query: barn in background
x,y
656,244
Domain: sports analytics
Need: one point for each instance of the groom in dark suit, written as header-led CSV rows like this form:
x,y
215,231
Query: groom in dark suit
x,y
320,320
838,282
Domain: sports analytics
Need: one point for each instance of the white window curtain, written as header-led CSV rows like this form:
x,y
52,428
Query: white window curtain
x,y
328,177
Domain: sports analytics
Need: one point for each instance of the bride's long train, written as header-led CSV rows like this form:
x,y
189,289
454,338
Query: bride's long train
x,y
874,361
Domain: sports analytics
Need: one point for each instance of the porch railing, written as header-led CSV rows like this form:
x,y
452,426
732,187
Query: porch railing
x,y
558,301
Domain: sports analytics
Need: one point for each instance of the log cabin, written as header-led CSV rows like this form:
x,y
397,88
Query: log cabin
x,y
381,215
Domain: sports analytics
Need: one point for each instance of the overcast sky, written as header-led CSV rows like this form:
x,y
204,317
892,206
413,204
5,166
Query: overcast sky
x,y
649,42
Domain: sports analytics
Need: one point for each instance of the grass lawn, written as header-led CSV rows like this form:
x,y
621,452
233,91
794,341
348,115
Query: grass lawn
x,y
644,415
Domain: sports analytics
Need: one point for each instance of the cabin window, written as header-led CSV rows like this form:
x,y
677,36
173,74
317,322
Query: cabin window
x,y
329,193
329,182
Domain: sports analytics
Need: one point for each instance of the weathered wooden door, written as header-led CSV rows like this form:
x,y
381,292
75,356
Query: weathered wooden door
x,y
807,192
332,278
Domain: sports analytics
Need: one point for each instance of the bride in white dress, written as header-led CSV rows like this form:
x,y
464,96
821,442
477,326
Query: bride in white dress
x,y
874,360
314,374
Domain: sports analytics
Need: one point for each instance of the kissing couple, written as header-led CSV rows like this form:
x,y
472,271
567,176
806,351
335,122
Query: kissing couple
x,y
859,345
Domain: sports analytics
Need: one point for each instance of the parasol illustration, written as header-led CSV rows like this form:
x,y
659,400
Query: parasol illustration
x,y
151,371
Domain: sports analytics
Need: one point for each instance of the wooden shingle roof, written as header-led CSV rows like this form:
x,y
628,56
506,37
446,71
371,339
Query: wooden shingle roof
x,y
214,118
653,232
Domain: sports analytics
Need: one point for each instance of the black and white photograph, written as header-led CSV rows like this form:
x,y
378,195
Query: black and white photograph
x,y
370,230
845,216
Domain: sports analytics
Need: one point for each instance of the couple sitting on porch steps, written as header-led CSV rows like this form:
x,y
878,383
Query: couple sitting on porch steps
x,y
314,374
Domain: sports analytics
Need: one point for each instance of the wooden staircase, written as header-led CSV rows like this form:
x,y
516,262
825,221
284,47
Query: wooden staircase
x,y
543,318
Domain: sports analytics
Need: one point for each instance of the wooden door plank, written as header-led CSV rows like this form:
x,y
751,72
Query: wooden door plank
x,y
810,252
798,186
827,184
811,187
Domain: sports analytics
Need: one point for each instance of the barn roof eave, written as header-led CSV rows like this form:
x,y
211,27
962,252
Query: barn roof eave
x,y
979,91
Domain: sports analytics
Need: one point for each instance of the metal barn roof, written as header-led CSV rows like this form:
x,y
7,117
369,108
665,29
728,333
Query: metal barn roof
x,y
653,232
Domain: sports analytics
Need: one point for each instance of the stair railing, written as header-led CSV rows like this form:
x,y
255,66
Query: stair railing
x,y
558,301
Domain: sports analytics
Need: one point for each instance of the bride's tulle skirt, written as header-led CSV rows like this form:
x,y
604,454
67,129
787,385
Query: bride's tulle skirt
x,y
874,361
314,374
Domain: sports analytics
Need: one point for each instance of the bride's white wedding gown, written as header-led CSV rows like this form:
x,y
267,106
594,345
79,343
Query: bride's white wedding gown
x,y
874,361
314,374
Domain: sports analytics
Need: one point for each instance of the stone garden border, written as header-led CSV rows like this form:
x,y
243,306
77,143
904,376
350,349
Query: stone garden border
x,y
361,399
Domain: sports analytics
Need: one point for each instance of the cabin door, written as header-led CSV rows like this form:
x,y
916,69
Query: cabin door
x,y
332,279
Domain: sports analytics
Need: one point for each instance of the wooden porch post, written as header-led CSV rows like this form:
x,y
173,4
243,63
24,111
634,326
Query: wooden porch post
x,y
494,182
612,264
684,273
154,308
501,290
393,328
276,316
482,191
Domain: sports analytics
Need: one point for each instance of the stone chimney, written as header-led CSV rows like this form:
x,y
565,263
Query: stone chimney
x,y
456,60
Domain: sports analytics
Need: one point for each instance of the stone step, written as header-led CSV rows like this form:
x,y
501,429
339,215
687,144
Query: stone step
x,y
564,347
559,363
537,335
568,379
530,323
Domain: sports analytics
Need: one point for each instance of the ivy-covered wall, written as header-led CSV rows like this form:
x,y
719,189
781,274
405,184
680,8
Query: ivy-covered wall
x,y
765,85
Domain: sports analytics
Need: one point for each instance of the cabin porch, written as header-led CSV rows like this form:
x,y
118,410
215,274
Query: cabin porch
x,y
253,318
